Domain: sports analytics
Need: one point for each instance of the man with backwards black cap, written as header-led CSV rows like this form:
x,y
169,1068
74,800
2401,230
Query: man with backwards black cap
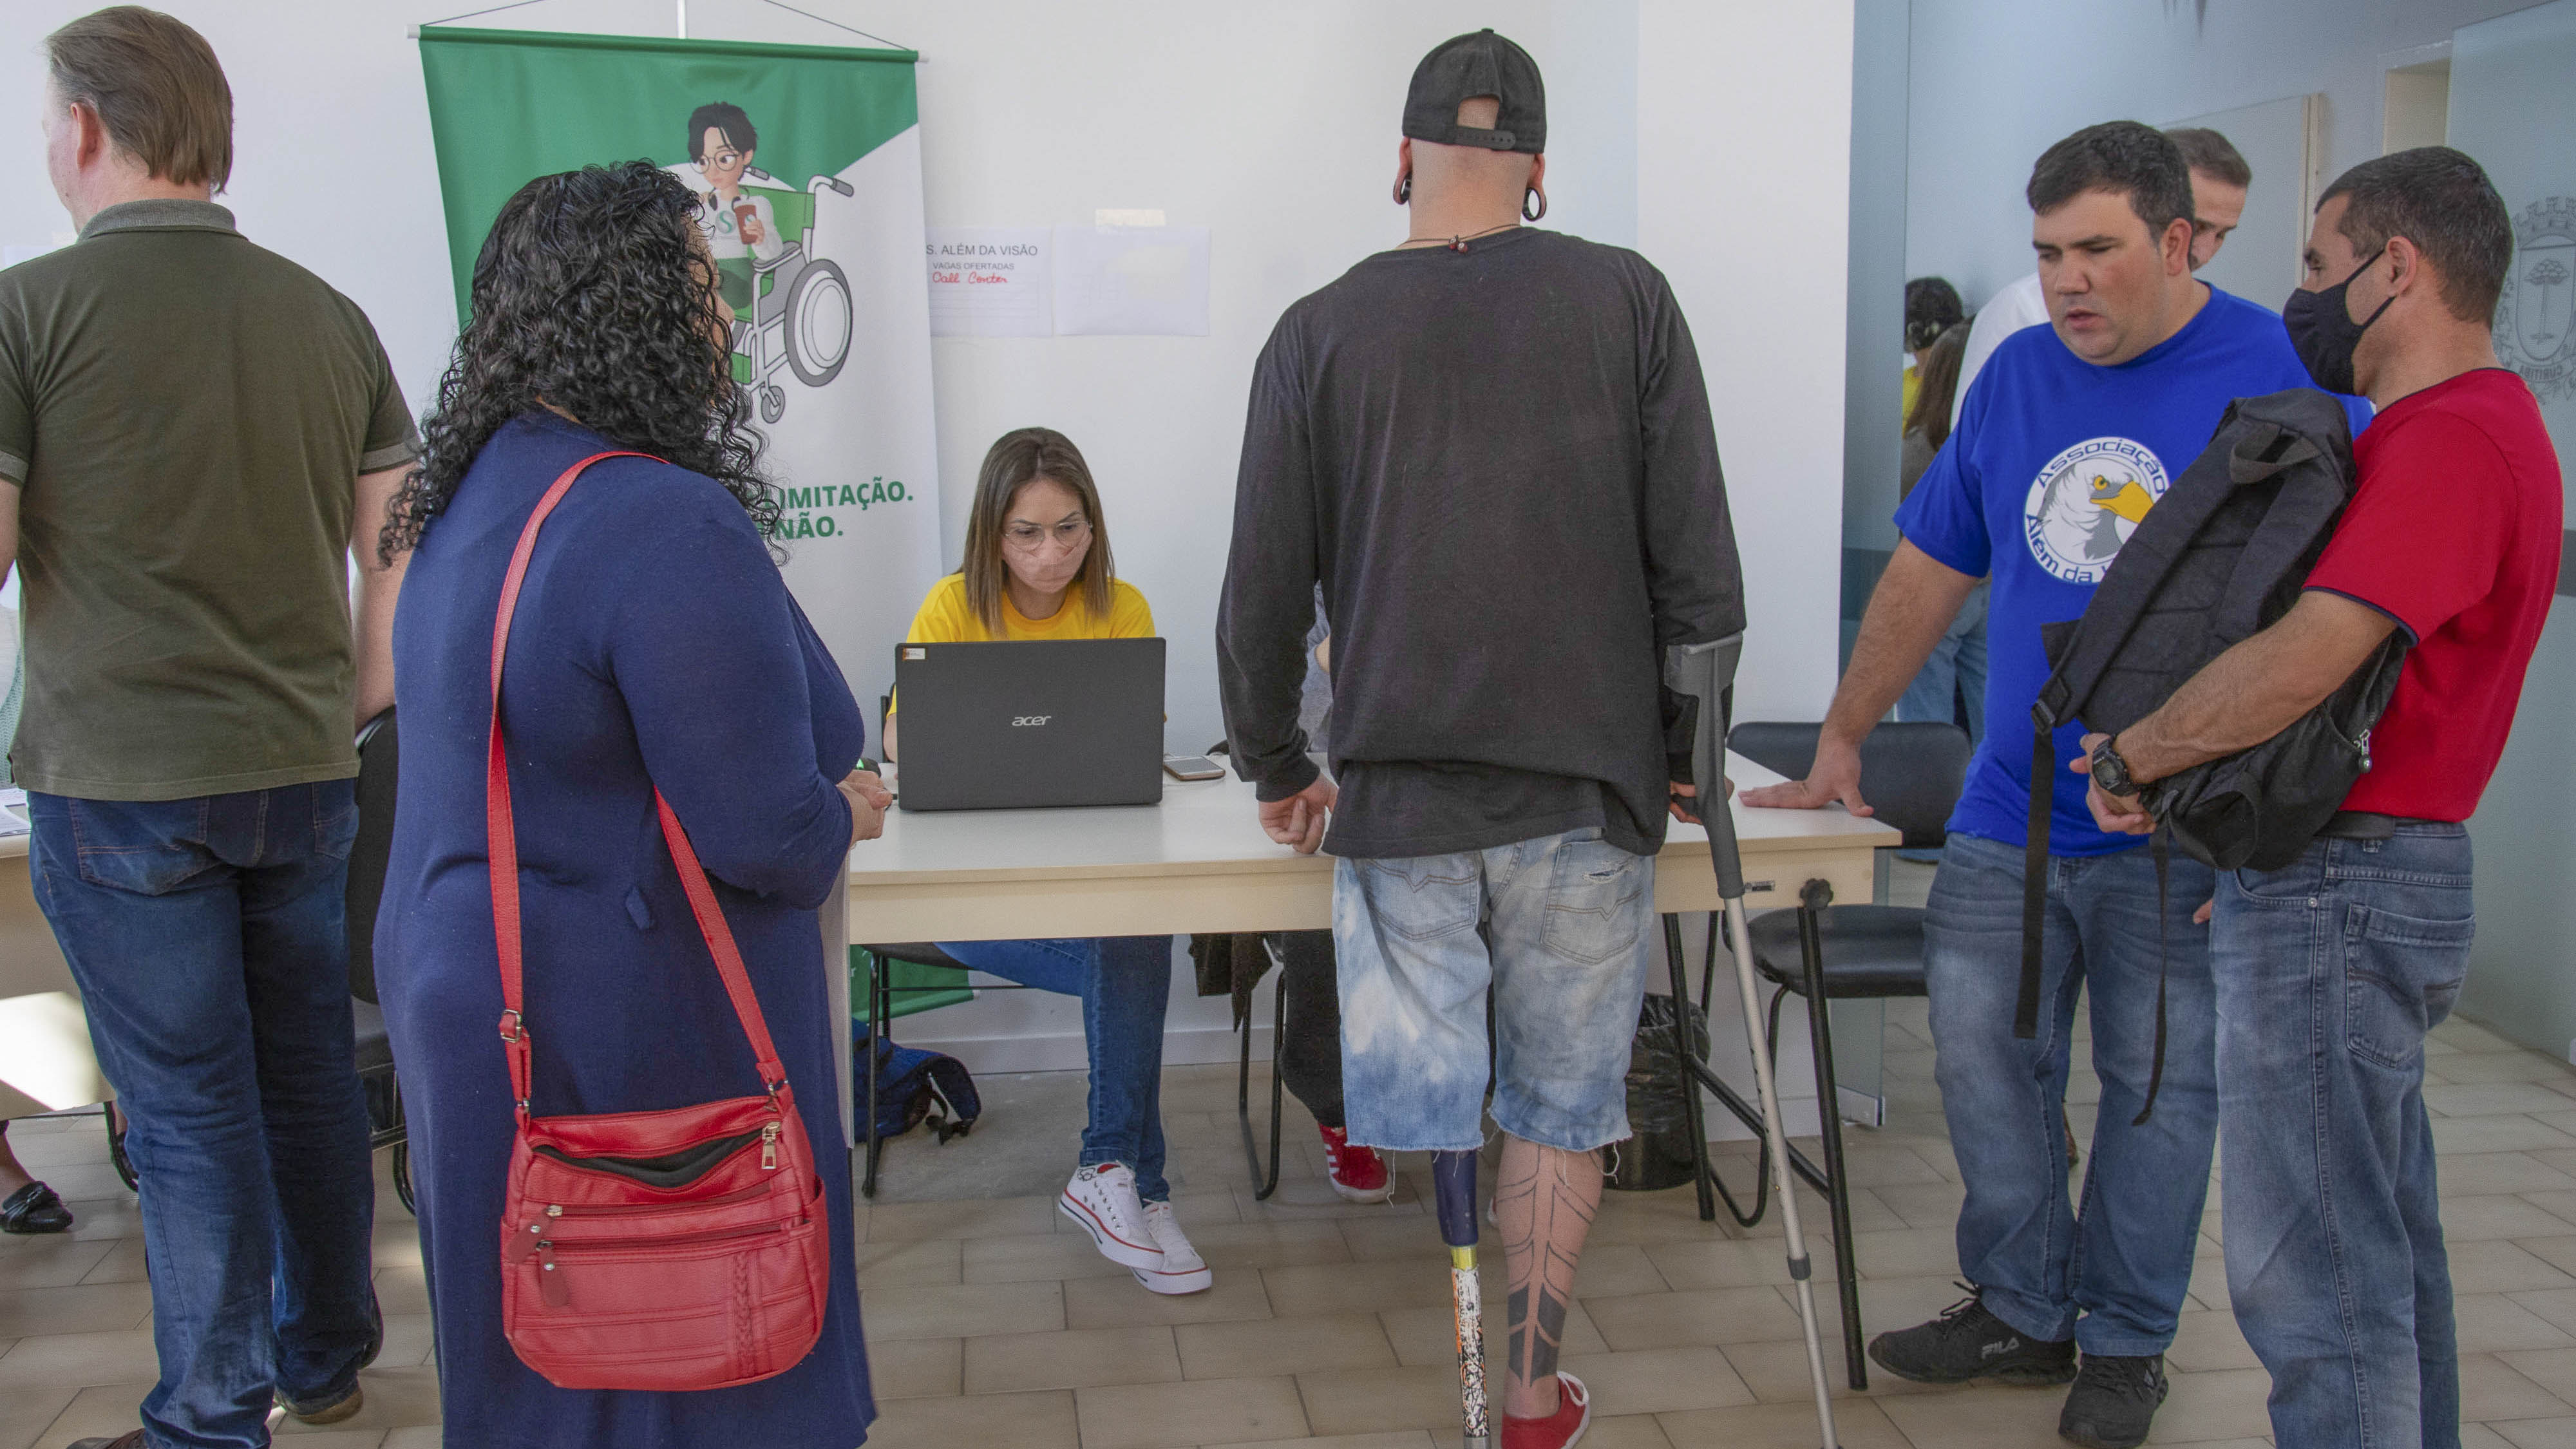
x,y
1492,447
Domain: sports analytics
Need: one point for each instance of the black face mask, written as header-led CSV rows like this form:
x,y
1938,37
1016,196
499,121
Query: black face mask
x,y
2322,330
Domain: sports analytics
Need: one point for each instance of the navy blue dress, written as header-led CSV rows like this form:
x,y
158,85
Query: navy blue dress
x,y
655,644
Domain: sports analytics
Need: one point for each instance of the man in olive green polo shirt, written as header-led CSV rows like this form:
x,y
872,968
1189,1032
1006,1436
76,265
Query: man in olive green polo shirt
x,y
192,432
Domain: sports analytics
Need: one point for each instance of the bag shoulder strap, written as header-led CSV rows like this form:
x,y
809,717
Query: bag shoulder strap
x,y
501,833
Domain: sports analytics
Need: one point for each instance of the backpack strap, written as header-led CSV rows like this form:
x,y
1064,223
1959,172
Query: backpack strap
x,y
502,845
2161,843
2034,862
2302,515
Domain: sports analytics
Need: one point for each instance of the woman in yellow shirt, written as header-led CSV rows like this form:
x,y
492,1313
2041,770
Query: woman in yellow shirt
x,y
1037,555
1038,566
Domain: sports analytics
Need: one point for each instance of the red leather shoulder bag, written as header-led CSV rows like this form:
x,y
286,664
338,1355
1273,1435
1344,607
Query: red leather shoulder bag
x,y
681,1249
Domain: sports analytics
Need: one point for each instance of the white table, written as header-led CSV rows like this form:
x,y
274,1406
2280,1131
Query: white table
x,y
1199,862
45,1059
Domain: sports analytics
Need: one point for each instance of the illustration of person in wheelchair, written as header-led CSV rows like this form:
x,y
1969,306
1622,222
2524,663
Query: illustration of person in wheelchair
x,y
791,308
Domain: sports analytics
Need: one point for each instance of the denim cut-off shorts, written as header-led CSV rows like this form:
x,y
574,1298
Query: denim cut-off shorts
x,y
1570,919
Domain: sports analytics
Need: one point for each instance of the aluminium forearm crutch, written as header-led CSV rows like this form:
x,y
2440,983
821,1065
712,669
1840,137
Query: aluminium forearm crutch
x,y
1453,1188
1705,673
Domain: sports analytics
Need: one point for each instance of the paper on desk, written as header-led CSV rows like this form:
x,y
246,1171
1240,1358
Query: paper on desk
x,y
991,281
1132,280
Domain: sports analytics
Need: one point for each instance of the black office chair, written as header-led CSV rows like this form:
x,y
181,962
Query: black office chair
x,y
1911,775
379,767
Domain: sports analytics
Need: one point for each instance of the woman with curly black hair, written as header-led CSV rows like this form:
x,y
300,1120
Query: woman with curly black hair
x,y
654,645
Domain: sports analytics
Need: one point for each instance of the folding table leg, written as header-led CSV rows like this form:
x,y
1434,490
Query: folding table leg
x,y
880,1005
1829,1123
1264,1182
1687,1053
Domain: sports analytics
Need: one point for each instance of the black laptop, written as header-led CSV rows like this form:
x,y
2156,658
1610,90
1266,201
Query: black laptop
x,y
1022,723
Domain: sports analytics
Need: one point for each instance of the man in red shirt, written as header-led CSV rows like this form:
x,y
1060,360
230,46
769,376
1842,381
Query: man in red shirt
x,y
2331,970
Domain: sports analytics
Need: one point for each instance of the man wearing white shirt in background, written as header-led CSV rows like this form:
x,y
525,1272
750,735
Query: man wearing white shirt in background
x,y
2219,178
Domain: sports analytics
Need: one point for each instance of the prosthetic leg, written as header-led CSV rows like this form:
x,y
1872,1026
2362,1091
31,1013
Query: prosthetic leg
x,y
1453,1182
1706,673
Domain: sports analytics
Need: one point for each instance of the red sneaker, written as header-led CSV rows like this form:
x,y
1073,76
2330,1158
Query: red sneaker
x,y
1358,1173
1559,1430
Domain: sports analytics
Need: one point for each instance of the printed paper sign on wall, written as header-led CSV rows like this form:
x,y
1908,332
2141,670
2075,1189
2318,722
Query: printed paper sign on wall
x,y
807,163
991,281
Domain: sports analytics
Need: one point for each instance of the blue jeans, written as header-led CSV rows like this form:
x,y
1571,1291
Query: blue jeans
x,y
1957,668
207,938
2330,972
1567,922
1124,982
2114,1275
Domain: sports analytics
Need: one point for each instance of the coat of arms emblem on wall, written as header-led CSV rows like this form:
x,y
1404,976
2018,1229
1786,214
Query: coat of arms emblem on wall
x,y
2535,328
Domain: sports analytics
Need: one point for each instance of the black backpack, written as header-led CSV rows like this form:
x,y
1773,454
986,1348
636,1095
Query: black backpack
x,y
913,1086
2221,557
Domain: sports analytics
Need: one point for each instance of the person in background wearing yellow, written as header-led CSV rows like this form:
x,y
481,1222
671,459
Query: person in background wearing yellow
x,y
1038,566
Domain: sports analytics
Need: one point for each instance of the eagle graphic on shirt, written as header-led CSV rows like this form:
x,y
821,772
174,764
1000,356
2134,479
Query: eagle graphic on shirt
x,y
2086,501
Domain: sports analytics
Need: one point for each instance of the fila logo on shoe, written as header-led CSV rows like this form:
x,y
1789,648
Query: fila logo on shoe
x,y
1025,721
2007,1346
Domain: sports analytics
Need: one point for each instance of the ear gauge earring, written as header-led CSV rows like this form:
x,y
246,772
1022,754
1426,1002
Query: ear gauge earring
x,y
1533,194
1404,189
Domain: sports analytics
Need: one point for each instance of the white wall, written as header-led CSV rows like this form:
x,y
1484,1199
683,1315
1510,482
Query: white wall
x,y
1995,81
1874,328
1743,168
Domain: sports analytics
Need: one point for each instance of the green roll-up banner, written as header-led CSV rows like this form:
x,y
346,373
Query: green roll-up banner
x,y
807,160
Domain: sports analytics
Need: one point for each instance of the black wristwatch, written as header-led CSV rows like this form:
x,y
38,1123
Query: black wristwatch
x,y
2110,772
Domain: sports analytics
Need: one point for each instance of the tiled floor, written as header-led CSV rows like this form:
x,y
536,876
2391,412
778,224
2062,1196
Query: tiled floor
x,y
993,1327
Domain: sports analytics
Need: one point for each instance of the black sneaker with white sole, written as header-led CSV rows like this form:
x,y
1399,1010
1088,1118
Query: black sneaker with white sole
x,y
1966,1342
2114,1401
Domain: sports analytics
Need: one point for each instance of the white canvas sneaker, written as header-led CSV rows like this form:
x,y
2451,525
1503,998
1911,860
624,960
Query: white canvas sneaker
x,y
1182,1270
1102,1202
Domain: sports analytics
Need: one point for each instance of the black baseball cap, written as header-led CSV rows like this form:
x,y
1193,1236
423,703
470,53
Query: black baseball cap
x,y
1481,64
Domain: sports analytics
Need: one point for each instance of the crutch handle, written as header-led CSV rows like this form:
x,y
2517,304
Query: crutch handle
x,y
1705,675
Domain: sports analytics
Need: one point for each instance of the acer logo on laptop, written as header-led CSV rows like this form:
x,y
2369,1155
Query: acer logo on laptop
x,y
1027,720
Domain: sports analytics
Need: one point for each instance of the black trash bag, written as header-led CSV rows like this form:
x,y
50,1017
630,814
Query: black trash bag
x,y
1659,1155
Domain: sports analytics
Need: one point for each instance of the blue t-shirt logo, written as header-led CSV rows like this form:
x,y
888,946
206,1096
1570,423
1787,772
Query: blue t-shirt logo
x,y
2086,502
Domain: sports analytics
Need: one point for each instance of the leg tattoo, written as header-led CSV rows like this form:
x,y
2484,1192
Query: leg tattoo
x,y
1544,1200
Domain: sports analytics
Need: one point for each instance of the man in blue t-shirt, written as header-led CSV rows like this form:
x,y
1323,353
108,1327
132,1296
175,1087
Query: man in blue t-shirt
x,y
2069,435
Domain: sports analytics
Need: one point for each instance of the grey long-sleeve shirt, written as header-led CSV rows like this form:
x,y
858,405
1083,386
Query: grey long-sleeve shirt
x,y
1500,466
